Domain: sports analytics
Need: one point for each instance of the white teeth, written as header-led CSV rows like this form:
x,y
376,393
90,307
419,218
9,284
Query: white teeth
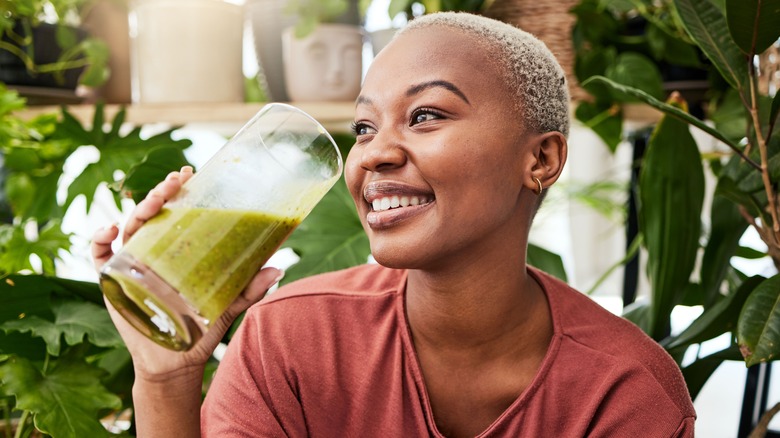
x,y
382,204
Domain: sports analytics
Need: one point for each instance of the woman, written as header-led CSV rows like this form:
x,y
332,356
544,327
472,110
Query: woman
x,y
461,124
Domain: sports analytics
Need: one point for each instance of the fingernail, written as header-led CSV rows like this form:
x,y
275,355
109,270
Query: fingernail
x,y
172,175
279,277
187,169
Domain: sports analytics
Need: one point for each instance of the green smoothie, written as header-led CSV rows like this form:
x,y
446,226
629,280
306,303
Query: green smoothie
x,y
208,255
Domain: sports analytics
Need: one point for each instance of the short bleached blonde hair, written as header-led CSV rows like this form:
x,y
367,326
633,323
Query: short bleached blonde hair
x,y
530,70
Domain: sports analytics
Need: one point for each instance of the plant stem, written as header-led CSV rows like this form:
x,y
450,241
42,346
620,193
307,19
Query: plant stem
x,y
763,423
7,418
22,425
770,193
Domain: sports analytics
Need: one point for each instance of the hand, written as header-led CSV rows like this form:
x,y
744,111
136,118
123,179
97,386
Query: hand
x,y
152,361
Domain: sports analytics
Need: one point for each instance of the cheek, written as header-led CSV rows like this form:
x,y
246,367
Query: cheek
x,y
353,174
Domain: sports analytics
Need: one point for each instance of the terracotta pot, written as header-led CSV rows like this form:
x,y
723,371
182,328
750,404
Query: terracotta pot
x,y
326,65
186,51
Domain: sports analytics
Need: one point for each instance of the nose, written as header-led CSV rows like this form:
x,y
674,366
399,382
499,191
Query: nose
x,y
384,152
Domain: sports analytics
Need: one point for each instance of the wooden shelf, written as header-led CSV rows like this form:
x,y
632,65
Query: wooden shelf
x,y
335,116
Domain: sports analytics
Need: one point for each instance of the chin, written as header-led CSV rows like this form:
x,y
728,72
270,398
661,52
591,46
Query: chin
x,y
397,258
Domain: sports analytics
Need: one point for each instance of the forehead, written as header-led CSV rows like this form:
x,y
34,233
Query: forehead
x,y
435,52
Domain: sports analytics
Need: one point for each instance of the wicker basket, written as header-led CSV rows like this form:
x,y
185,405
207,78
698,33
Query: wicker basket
x,y
551,22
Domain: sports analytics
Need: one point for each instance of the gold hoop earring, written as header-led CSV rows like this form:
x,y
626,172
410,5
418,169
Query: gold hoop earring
x,y
538,182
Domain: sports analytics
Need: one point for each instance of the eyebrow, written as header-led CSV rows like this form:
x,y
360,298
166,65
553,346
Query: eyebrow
x,y
415,89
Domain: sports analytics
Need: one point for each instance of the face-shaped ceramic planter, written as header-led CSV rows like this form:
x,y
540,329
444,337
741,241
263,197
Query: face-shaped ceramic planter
x,y
326,65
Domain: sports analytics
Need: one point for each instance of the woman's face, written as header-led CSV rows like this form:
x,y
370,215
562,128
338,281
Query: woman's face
x,y
437,168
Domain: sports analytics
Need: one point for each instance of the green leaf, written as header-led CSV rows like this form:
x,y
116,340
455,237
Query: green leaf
x,y
753,23
749,253
638,313
20,192
10,101
718,319
605,121
547,261
593,62
637,71
697,373
398,6
758,330
25,296
726,229
669,48
666,109
154,167
97,71
116,152
671,193
730,116
707,26
65,400
65,36
75,320
330,238
16,249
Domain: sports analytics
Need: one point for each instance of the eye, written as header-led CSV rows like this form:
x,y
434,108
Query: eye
x,y
424,115
360,128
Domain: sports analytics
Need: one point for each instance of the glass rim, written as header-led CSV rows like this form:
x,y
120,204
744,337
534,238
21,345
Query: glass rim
x,y
271,105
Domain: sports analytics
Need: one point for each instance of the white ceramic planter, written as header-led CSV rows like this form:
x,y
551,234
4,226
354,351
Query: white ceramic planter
x,y
186,51
326,65
268,19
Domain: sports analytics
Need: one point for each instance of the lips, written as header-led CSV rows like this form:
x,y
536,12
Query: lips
x,y
391,202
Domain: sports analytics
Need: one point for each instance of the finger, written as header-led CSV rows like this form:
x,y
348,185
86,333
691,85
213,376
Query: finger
x,y
167,188
101,244
185,174
154,201
145,210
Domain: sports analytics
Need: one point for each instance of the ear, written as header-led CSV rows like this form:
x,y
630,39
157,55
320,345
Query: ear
x,y
550,150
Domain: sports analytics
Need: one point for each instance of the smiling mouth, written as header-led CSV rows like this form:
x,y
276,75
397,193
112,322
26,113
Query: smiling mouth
x,y
392,202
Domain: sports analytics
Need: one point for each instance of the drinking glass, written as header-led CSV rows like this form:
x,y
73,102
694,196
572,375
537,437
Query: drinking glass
x,y
180,271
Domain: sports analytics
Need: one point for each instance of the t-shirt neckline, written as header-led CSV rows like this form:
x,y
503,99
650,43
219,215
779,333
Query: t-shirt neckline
x,y
413,365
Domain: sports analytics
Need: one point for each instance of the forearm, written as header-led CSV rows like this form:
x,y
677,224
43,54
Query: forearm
x,y
168,407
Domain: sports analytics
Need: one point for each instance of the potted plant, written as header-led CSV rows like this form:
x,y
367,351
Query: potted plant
x,y
640,44
63,366
186,51
323,60
408,9
671,190
269,18
41,45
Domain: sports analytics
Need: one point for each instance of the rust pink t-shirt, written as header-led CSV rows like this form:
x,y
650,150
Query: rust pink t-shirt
x,y
332,355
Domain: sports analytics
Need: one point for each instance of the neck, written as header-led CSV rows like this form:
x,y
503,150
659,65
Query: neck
x,y
481,305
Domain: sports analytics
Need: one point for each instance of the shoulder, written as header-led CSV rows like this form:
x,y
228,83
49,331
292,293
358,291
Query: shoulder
x,y
629,361
333,298
363,280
